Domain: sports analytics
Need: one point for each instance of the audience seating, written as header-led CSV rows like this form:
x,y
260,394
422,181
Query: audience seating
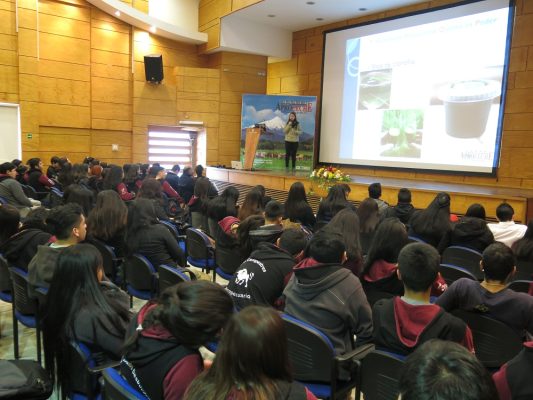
x,y
227,262
32,193
495,343
213,225
415,239
200,251
519,286
174,230
111,261
118,388
5,281
24,310
314,362
465,258
170,276
451,273
140,277
524,270
379,375
199,221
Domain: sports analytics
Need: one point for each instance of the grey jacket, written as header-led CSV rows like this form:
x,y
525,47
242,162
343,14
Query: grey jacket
x,y
11,190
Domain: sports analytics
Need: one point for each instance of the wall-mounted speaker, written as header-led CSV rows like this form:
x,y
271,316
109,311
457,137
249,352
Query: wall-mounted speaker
x,y
153,68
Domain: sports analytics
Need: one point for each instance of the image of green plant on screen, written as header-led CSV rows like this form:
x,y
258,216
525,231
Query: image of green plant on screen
x,y
402,133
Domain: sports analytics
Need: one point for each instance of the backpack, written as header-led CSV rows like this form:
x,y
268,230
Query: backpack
x,y
24,379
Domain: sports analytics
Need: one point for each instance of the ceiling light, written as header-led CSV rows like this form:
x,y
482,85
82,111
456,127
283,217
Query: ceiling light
x,y
319,19
153,29
271,16
363,9
117,13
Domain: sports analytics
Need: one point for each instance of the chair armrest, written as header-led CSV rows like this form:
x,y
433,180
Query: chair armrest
x,y
357,354
99,368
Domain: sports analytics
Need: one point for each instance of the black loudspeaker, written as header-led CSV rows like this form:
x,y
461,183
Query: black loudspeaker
x,y
153,68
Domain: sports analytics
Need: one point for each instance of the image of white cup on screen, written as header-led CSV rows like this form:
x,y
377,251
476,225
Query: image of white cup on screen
x,y
374,89
467,106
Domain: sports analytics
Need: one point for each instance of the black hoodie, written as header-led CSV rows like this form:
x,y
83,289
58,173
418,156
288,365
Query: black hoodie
x,y
402,211
20,248
472,233
261,278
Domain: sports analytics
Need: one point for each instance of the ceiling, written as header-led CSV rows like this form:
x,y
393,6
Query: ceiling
x,y
296,15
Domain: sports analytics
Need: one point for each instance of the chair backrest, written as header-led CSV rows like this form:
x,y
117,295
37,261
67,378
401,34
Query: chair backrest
x,y
116,387
311,352
170,276
21,301
29,191
465,258
198,244
415,239
199,221
5,278
80,380
109,257
451,273
520,286
171,227
495,343
139,273
379,375
524,270
228,259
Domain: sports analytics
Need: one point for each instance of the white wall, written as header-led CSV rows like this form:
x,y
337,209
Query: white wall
x,y
245,36
9,132
182,13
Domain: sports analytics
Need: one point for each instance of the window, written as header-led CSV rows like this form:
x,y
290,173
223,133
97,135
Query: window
x,y
169,145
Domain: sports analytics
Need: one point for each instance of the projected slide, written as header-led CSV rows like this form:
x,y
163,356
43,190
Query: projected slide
x,y
423,92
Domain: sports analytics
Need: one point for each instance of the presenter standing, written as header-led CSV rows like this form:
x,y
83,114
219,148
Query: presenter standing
x,y
292,135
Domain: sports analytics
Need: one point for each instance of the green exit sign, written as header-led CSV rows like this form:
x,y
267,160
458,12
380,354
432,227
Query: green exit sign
x,y
29,135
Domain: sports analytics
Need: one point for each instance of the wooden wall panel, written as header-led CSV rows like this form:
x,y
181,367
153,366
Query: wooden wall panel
x,y
301,75
9,88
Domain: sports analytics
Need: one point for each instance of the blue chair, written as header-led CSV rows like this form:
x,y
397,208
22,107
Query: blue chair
x,y
315,363
109,258
174,230
379,375
5,282
463,257
170,276
201,253
118,388
520,286
451,273
140,277
228,260
24,310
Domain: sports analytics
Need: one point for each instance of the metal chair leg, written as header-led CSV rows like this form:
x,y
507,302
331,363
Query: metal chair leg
x,y
15,334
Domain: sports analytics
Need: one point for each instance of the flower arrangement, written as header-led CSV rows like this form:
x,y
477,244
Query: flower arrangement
x,y
326,177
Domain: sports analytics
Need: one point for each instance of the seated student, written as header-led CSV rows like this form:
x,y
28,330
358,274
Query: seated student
x,y
492,296
36,179
261,278
53,168
146,236
82,306
432,224
403,210
161,354
131,177
328,296
252,204
152,190
335,201
265,198
12,192
246,367
272,228
346,222
523,248
113,181
297,208
368,213
21,172
506,231
374,192
67,224
172,177
159,174
107,221
444,370
20,248
186,184
244,240
221,207
198,204
470,231
401,324
513,380
81,195
9,223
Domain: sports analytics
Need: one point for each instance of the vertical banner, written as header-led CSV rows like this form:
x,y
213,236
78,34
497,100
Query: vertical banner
x,y
270,114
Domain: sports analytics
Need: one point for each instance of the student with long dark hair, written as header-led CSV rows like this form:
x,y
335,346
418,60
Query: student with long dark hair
x,y
145,235
523,248
107,221
131,177
335,201
161,354
433,223
224,205
82,307
252,223
152,190
346,222
251,363
297,208
198,203
252,204
9,223
113,181
79,194
368,213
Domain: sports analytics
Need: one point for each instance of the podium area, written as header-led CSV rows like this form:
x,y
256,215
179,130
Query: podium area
x,y
462,195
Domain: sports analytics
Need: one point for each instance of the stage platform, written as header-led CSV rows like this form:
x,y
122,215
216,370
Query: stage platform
x,y
422,192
